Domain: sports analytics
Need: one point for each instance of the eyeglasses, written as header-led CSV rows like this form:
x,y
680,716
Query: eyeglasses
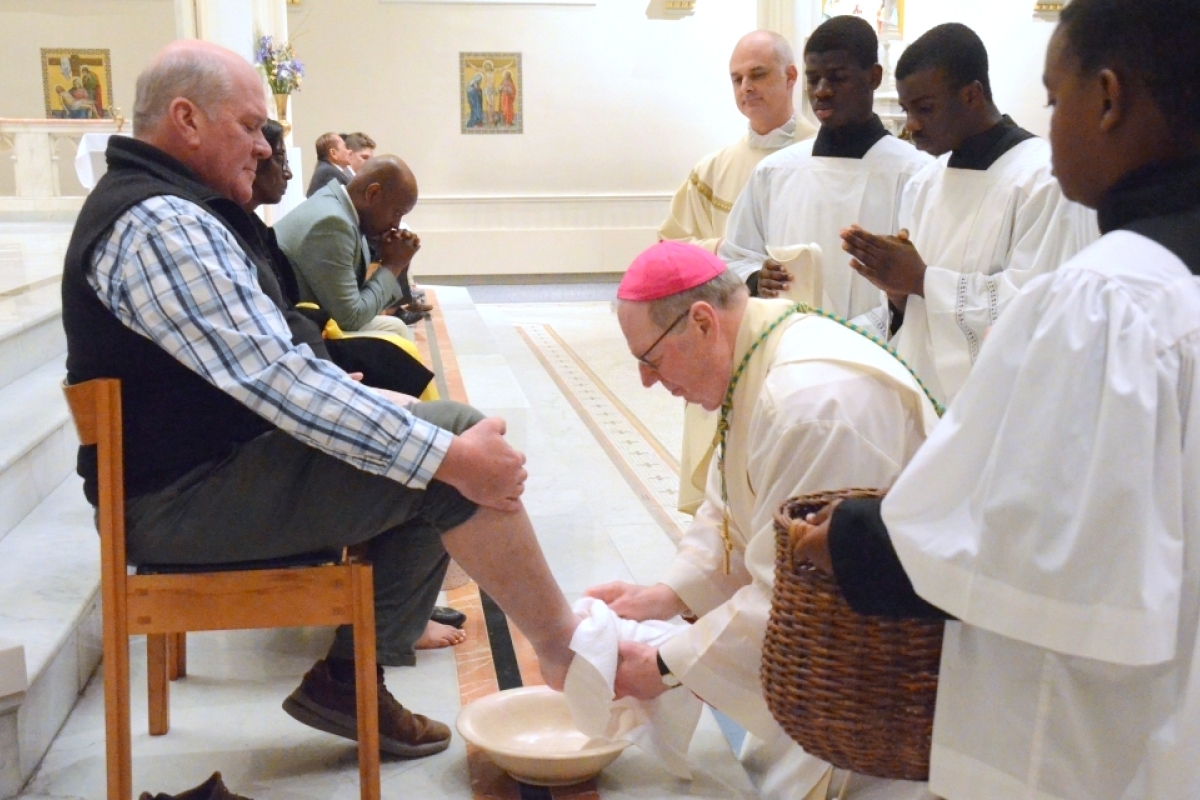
x,y
642,358
280,158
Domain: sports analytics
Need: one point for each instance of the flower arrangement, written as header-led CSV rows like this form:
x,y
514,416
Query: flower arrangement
x,y
278,62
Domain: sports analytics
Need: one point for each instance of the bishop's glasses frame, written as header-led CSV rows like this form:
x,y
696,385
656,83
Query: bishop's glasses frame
x,y
642,358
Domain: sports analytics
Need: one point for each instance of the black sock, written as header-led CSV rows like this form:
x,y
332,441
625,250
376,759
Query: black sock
x,y
341,670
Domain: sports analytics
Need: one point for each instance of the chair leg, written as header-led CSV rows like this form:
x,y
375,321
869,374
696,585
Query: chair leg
x,y
158,685
177,655
118,740
366,687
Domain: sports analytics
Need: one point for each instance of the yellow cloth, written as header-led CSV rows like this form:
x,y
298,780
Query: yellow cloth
x,y
333,331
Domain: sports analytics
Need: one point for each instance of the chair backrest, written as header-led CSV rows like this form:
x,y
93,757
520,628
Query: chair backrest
x,y
96,408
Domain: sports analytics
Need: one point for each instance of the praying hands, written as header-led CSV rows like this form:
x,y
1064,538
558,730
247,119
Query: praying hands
x,y
890,262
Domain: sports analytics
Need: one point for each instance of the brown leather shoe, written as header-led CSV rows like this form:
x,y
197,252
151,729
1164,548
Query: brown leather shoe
x,y
322,703
211,789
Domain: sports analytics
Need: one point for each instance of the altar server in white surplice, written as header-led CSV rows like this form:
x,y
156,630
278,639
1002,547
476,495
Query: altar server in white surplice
x,y
815,407
852,172
763,72
1055,510
982,220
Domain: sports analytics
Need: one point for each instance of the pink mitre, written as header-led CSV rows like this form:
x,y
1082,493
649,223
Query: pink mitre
x,y
668,268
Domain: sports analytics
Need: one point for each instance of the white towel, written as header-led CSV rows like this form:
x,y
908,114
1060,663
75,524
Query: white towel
x,y
663,727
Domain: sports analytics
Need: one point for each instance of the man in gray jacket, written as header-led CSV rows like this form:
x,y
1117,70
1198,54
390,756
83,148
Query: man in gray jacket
x,y
326,237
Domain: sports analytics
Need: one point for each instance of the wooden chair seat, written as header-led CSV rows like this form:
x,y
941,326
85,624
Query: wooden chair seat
x,y
164,602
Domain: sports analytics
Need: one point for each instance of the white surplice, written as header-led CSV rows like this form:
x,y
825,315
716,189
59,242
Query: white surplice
x,y
827,410
1056,512
794,197
984,234
700,208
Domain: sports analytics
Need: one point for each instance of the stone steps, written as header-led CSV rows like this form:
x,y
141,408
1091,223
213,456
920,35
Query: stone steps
x,y
37,441
49,552
49,605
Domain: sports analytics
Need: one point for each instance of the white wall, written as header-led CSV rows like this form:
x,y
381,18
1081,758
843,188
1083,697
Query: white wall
x,y
617,109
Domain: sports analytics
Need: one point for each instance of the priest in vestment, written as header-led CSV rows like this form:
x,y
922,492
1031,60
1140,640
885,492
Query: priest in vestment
x,y
763,71
1054,511
811,406
983,219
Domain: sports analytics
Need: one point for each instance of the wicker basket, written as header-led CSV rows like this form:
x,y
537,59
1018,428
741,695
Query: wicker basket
x,y
856,691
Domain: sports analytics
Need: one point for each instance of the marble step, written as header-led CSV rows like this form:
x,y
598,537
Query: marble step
x,y
37,442
49,604
31,331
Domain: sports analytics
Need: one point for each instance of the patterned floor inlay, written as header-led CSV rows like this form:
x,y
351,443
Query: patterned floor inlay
x,y
495,655
651,471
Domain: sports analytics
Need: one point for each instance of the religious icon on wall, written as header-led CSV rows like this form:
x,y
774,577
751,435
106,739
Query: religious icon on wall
x,y
887,16
77,84
490,86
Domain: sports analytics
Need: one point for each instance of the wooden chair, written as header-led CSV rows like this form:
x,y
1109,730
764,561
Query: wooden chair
x,y
165,606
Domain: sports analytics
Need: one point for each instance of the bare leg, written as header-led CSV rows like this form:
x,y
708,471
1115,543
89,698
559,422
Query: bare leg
x,y
500,551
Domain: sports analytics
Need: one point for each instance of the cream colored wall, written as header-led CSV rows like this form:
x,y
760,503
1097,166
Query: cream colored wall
x,y
1016,43
617,108
131,29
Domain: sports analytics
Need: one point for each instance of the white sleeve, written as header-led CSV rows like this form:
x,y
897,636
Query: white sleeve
x,y
838,428
745,246
1046,505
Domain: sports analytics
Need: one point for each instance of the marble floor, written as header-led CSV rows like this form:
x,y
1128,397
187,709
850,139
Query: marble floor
x,y
602,463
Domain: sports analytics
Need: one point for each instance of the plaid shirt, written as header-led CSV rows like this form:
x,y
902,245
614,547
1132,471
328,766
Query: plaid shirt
x,y
173,273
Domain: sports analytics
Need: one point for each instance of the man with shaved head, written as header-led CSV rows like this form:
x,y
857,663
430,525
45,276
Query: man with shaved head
x,y
240,444
329,236
763,72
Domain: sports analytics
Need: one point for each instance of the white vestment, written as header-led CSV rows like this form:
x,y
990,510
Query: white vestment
x,y
794,197
701,207
983,234
1055,511
818,408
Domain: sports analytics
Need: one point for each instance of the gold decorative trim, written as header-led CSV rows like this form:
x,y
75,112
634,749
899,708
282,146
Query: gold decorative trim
x,y
707,193
1048,7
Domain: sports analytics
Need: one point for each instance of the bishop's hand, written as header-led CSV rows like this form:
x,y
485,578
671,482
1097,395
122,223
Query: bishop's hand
x,y
891,263
639,603
637,672
810,538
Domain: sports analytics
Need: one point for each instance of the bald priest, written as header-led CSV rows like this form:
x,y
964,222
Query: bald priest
x,y
763,72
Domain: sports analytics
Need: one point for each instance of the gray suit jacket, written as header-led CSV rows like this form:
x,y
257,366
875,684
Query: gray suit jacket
x,y
325,173
322,239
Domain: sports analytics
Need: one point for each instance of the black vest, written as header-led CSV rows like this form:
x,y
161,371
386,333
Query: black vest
x,y
174,420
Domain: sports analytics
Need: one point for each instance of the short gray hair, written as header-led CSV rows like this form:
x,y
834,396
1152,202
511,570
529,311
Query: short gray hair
x,y
718,293
201,77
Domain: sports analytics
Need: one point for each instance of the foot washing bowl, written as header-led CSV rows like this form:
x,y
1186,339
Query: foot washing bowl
x,y
529,734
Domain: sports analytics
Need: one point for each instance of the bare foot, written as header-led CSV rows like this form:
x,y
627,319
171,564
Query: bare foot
x,y
438,635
